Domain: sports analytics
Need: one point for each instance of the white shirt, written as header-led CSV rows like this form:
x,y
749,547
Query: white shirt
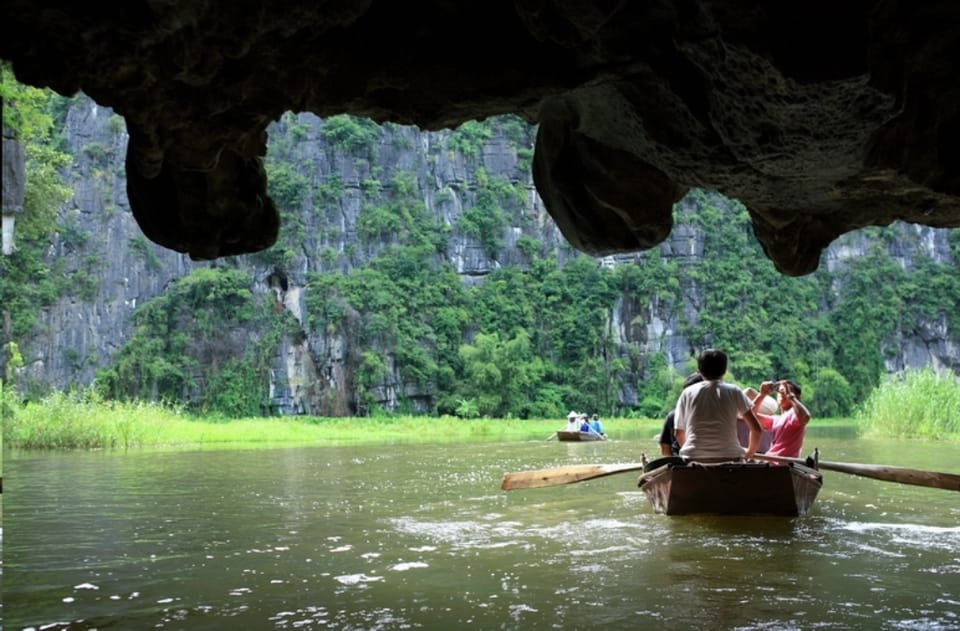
x,y
707,412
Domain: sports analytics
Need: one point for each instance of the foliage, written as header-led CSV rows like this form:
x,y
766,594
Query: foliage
x,y
516,130
486,221
83,420
832,392
529,246
469,138
330,190
25,108
919,404
289,189
205,342
467,408
563,314
501,377
12,360
352,133
559,331
29,282
145,250
403,301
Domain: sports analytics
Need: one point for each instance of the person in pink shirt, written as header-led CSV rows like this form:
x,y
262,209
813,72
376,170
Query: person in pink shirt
x,y
788,427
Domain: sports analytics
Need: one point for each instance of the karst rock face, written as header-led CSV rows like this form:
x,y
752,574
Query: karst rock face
x,y
821,117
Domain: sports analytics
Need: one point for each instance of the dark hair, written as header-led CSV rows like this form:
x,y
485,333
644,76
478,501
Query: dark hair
x,y
793,386
712,363
691,379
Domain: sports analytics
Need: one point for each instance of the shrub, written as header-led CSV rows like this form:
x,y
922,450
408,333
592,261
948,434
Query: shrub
x,y
920,404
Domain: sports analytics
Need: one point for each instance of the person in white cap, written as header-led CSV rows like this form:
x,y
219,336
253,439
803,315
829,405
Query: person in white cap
x,y
767,406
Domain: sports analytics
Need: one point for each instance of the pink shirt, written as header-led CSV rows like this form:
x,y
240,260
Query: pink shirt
x,y
788,433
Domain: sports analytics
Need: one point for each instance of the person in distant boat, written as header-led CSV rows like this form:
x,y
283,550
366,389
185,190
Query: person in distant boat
x,y
705,419
767,406
596,425
573,425
788,427
668,442
584,424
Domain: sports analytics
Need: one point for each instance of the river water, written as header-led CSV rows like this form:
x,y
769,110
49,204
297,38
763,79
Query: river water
x,y
422,537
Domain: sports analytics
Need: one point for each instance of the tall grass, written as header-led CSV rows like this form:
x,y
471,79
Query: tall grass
x,y
81,420
921,404
84,421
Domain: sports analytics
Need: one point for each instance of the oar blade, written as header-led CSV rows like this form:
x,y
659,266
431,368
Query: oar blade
x,y
558,476
902,475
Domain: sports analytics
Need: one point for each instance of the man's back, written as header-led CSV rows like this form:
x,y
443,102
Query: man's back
x,y
707,413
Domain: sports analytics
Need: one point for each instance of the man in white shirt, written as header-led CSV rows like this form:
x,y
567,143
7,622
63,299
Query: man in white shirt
x,y
705,419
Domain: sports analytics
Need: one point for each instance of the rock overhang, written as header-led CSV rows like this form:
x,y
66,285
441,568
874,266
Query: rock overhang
x,y
820,117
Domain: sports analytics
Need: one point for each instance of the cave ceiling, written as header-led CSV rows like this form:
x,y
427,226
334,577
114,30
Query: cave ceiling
x,y
820,117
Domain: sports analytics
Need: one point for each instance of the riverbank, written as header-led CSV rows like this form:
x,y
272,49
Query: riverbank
x,y
64,422
924,406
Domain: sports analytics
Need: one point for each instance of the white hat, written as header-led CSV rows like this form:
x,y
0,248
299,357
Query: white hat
x,y
572,414
768,406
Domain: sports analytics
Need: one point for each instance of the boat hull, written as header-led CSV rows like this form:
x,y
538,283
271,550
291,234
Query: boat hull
x,y
565,436
734,488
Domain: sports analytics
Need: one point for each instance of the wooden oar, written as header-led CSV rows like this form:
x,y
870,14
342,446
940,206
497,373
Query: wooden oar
x,y
557,476
552,436
918,477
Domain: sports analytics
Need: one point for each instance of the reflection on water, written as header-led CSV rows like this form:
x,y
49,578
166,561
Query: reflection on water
x,y
404,537
831,431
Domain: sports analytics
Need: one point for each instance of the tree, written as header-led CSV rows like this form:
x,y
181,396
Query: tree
x,y
829,394
28,281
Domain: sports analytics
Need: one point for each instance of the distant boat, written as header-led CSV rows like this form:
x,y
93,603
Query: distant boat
x,y
573,436
730,488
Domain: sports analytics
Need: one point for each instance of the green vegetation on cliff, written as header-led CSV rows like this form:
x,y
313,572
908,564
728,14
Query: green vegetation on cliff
x,y
544,331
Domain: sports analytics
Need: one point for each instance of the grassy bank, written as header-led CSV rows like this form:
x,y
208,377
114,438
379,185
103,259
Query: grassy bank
x,y
923,405
65,421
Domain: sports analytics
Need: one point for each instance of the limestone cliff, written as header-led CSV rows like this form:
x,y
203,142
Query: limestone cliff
x,y
312,370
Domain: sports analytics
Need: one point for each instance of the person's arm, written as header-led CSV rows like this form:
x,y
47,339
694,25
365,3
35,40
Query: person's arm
x,y
666,436
755,431
803,414
681,436
766,422
765,389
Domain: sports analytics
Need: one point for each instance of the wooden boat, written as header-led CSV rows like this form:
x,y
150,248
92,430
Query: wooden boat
x,y
675,487
570,435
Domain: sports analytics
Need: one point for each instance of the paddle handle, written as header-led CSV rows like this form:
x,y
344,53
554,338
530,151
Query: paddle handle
x,y
887,473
